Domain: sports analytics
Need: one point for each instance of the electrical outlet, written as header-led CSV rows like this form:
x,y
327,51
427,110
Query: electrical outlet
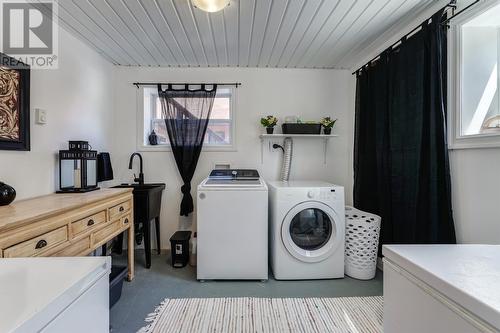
x,y
40,116
279,143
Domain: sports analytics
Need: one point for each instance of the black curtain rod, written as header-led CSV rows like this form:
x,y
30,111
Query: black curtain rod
x,y
137,84
459,12
452,4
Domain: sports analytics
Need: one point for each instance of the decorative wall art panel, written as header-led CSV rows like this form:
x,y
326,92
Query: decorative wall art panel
x,y
14,104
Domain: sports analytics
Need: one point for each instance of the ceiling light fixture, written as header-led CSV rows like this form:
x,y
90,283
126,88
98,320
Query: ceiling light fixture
x,y
210,6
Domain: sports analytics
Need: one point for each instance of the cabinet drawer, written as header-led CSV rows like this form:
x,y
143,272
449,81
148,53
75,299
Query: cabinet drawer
x,y
37,245
106,232
88,222
120,209
126,220
75,248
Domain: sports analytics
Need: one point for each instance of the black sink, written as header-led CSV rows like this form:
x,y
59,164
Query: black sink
x,y
147,200
147,206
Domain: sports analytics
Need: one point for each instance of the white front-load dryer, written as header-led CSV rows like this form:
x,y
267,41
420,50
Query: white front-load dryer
x,y
307,225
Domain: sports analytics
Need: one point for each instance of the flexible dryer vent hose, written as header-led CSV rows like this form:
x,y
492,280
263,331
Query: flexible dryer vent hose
x,y
287,159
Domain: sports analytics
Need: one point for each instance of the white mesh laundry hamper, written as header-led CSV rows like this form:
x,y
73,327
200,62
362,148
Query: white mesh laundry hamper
x,y
362,232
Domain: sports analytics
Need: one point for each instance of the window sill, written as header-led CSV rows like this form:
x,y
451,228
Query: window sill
x,y
163,148
475,142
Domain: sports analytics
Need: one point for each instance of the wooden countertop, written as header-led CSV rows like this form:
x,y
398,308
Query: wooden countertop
x,y
28,210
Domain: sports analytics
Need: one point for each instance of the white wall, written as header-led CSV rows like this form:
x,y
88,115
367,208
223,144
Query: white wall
x,y
78,101
474,172
310,94
476,194
475,179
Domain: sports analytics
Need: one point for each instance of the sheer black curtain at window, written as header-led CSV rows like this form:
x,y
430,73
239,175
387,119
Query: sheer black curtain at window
x,y
401,167
187,112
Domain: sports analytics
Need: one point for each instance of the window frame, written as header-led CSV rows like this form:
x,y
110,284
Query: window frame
x,y
455,69
166,147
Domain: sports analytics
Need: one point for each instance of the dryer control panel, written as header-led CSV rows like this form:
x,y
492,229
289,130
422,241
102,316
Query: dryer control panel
x,y
321,193
327,194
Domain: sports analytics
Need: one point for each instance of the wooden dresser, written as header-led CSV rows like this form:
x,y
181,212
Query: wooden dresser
x,y
67,225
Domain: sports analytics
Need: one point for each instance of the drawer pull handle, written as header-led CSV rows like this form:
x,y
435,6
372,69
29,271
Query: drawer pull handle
x,y
122,209
125,221
90,222
41,244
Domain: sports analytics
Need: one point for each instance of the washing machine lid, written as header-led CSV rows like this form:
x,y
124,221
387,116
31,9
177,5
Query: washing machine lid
x,y
311,231
232,183
234,174
233,178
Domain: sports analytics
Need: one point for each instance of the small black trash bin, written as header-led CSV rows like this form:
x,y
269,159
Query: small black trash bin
x,y
179,247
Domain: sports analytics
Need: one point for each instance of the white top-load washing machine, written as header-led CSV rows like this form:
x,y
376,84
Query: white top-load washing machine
x,y
232,219
306,223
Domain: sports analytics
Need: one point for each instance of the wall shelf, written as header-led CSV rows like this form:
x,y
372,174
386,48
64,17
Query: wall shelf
x,y
323,137
315,136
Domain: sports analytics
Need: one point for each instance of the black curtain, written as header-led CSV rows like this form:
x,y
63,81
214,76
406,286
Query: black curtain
x,y
187,112
401,167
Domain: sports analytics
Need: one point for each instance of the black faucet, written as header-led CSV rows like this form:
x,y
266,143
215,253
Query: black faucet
x,y
139,179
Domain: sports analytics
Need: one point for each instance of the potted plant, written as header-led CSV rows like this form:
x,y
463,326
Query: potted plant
x,y
269,122
327,124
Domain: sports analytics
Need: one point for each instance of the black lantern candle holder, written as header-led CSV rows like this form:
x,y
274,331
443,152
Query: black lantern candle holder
x,y
77,168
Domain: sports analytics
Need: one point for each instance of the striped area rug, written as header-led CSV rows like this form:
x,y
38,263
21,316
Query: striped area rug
x,y
344,314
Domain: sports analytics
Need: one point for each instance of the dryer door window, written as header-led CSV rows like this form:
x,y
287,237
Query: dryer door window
x,y
311,229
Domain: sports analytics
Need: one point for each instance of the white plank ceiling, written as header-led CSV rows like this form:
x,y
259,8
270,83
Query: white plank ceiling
x,y
248,33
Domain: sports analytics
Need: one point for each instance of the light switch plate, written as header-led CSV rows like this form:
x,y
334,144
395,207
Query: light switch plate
x,y
40,116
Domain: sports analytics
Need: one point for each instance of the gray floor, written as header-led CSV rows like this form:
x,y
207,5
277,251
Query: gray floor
x,y
150,287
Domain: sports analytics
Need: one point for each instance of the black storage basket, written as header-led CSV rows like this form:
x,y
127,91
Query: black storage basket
x,y
116,277
295,128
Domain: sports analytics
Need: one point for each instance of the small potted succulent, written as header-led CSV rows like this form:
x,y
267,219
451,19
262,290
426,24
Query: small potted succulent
x,y
327,124
269,122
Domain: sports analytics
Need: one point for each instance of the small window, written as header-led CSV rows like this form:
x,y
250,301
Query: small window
x,y
476,77
220,130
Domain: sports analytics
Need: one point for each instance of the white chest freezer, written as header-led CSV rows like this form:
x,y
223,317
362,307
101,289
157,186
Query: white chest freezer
x,y
441,288
54,295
